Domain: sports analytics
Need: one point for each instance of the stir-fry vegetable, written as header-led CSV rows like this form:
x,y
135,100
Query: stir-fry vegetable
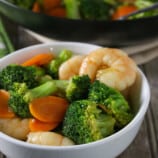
x,y
37,125
112,102
55,111
88,9
53,66
85,122
17,73
5,112
39,60
123,10
140,4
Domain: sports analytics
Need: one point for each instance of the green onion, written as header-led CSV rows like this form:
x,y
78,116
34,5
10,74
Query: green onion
x,y
6,46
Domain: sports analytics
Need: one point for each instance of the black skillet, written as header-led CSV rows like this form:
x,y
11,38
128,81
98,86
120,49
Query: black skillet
x,y
107,33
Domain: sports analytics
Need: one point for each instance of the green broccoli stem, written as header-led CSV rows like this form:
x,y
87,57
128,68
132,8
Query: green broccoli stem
x,y
21,96
53,66
45,89
74,89
72,9
59,86
44,79
62,84
49,87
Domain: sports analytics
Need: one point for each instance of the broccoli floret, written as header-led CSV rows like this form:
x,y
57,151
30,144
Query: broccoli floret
x,y
88,9
54,65
75,88
112,101
94,9
84,122
17,73
21,96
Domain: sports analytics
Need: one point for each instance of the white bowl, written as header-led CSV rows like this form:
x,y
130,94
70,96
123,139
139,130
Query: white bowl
x,y
108,147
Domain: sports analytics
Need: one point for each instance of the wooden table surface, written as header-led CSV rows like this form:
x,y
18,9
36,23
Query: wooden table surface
x,y
145,144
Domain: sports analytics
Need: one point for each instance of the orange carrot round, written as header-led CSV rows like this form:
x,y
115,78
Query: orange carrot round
x,y
49,4
39,60
5,111
123,10
36,7
36,125
57,12
49,108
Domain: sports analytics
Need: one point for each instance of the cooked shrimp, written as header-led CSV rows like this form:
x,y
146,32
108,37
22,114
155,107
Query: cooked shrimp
x,y
15,127
70,67
111,66
48,138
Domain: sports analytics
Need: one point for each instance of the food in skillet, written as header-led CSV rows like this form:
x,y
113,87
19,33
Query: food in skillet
x,y
87,9
77,105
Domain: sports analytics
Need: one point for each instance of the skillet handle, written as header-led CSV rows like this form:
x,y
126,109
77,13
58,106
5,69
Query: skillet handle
x,y
152,7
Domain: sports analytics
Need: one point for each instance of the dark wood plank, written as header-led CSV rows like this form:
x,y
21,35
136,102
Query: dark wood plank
x,y
146,143
151,70
140,145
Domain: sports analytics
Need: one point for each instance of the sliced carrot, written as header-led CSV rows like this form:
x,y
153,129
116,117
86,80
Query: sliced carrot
x,y
49,4
36,7
5,111
38,60
50,7
123,10
58,12
36,125
49,108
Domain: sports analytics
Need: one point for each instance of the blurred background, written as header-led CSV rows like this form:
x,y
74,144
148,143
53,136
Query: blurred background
x,y
100,22
129,24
